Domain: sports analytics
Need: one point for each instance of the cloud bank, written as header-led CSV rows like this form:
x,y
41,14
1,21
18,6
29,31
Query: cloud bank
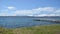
x,y
42,11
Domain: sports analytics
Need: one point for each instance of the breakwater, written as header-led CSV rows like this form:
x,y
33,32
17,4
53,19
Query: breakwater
x,y
48,20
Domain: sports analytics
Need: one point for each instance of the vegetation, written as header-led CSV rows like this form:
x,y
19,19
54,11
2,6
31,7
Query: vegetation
x,y
5,31
49,29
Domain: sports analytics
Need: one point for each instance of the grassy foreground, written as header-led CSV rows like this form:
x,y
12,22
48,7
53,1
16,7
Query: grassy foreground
x,y
50,29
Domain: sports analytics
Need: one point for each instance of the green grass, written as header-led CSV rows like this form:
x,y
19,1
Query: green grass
x,y
49,29
5,31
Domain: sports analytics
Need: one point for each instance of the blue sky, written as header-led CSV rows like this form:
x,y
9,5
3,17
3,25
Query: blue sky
x,y
29,7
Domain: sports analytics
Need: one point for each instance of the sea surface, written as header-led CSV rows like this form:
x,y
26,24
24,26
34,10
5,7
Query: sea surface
x,y
24,21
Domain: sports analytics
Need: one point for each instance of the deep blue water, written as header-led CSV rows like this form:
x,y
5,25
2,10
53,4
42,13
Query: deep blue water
x,y
16,21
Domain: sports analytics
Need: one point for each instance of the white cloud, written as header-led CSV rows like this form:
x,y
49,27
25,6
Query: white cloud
x,y
47,15
45,9
43,15
6,14
34,12
23,12
3,14
11,8
57,11
26,12
49,11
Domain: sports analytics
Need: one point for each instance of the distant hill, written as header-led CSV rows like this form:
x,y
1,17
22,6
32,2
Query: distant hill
x,y
33,16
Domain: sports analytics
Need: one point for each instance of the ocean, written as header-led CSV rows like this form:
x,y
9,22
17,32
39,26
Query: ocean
x,y
24,21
